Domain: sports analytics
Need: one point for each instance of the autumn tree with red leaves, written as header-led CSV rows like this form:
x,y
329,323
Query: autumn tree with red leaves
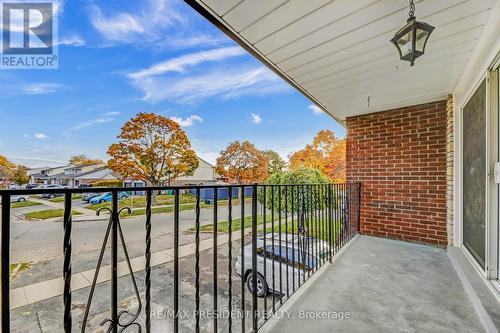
x,y
326,153
243,163
152,148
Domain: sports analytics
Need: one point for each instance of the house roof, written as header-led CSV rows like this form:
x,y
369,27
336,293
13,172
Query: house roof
x,y
201,159
97,174
338,54
39,175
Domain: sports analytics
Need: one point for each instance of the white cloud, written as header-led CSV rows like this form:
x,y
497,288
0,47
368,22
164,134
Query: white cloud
x,y
231,81
196,40
198,75
315,109
180,64
256,119
40,88
121,27
101,119
146,23
71,40
40,136
149,22
186,122
35,161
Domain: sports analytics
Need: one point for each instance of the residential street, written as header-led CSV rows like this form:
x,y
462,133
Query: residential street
x,y
33,241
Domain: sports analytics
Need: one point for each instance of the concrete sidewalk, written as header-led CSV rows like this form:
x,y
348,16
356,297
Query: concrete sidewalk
x,y
39,291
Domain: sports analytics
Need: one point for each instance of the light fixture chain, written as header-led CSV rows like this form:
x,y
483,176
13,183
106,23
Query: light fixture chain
x,y
412,9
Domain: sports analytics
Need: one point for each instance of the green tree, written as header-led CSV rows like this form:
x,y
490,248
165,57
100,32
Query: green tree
x,y
275,162
309,193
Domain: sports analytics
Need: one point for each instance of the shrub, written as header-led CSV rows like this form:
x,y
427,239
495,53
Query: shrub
x,y
309,196
108,183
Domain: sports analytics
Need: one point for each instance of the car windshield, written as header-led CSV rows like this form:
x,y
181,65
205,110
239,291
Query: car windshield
x,y
297,257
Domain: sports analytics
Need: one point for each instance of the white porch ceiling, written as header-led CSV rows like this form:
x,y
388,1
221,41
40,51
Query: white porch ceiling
x,y
337,52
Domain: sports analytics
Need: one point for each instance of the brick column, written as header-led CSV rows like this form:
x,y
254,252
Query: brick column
x,y
400,157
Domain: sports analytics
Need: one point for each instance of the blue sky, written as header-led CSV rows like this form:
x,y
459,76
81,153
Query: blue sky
x,y
119,58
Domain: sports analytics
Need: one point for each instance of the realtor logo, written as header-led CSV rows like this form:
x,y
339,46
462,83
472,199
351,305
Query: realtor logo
x,y
28,35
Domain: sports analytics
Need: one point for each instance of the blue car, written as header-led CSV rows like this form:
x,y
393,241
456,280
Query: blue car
x,y
106,197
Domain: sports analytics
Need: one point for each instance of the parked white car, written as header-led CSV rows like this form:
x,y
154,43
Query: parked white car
x,y
51,195
17,198
304,254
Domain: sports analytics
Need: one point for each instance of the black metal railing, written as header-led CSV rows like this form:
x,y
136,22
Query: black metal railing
x,y
282,236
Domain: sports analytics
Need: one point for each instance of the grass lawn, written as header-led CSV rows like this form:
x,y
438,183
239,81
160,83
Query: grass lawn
x,y
24,204
223,226
168,209
315,226
61,198
15,269
140,201
47,214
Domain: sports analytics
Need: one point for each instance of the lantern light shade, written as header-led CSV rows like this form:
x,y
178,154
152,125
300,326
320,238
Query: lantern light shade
x,y
411,39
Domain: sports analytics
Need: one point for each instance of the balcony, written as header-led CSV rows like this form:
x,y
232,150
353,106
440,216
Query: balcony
x,y
186,273
191,268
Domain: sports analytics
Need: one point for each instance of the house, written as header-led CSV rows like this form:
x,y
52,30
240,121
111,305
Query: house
x,y
93,176
46,175
204,174
71,172
72,175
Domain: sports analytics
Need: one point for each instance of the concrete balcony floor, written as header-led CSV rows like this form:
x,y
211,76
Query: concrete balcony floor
x,y
386,286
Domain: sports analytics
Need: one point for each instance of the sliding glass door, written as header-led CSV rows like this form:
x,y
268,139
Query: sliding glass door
x,y
493,251
474,174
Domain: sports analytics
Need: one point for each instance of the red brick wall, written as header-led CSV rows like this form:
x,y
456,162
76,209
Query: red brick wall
x,y
399,156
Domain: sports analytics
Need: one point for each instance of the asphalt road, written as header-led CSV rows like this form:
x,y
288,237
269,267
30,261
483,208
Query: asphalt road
x,y
33,241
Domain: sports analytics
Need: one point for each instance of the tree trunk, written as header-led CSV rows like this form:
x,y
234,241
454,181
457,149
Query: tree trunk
x,y
154,194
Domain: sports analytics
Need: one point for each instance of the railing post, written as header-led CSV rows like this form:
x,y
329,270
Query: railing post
x,y
197,263
359,208
215,258
255,325
176,260
67,261
230,256
5,263
330,221
148,260
114,261
242,251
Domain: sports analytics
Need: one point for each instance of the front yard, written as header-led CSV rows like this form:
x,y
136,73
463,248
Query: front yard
x,y
47,214
23,204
